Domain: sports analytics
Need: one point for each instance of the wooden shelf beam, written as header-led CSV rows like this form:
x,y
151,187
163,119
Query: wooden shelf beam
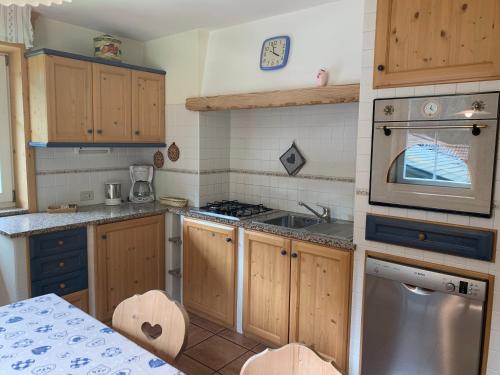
x,y
283,98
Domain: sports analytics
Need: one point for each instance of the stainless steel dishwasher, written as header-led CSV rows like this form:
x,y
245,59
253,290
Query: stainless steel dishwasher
x,y
421,322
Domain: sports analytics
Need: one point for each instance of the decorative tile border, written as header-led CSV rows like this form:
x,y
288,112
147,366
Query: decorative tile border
x,y
303,176
174,170
82,170
205,172
364,192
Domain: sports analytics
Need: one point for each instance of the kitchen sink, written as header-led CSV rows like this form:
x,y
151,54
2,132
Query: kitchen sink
x,y
337,228
292,221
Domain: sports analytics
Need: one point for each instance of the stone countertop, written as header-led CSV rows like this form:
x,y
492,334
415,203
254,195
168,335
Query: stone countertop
x,y
32,224
12,211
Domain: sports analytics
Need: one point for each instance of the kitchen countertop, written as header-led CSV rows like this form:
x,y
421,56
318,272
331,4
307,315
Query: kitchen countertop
x,y
31,224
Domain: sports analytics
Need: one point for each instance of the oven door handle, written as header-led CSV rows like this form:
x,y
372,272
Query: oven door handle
x,y
476,128
418,290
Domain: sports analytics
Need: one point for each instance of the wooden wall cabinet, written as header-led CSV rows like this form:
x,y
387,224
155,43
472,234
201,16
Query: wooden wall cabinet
x,y
112,89
78,101
148,107
295,291
436,41
129,259
209,270
60,99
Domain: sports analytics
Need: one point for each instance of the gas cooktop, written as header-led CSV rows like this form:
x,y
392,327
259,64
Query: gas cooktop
x,y
232,210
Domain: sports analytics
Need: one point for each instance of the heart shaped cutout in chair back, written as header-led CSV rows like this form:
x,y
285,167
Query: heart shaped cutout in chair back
x,y
151,332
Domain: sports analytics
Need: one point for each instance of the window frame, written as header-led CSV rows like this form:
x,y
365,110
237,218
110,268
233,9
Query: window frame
x,y
6,156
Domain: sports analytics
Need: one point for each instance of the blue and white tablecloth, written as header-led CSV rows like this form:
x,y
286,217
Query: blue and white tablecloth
x,y
47,335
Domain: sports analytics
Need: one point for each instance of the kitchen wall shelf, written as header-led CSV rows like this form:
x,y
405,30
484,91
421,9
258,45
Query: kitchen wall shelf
x,y
283,98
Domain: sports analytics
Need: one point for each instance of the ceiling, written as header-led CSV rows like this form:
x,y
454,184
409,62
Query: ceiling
x,y
150,19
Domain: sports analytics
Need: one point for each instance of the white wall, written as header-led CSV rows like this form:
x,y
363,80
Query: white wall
x,y
183,57
362,207
327,36
63,36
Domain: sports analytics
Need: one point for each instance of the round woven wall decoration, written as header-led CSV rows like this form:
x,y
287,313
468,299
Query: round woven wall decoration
x,y
158,159
173,152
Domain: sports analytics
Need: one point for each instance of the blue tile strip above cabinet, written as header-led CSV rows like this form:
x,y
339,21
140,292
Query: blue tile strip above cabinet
x,y
58,262
97,60
469,242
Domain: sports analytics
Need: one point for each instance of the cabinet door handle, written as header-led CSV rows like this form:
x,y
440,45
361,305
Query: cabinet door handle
x,y
62,286
61,264
295,255
380,68
90,131
115,122
104,237
229,239
137,132
99,131
283,252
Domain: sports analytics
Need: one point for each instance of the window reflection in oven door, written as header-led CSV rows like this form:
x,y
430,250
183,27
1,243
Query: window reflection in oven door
x,y
442,165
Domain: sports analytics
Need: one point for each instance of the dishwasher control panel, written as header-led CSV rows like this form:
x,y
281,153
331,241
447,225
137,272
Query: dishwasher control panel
x,y
428,280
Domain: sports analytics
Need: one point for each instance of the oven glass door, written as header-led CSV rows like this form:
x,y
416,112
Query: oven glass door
x,y
443,165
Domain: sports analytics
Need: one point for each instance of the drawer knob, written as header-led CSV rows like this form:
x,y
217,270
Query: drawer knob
x,y
283,252
61,264
137,132
295,255
62,286
422,236
60,242
380,68
229,239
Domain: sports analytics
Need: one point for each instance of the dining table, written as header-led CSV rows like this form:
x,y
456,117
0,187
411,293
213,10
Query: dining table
x,y
48,335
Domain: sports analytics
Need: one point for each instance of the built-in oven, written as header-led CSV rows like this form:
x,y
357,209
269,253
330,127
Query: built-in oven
x,y
435,152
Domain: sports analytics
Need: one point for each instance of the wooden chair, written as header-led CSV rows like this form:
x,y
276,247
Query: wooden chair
x,y
153,321
291,359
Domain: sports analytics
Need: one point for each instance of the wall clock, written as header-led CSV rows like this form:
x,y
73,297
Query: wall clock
x,y
274,53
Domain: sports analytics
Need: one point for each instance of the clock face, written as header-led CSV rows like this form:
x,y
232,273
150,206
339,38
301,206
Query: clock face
x,y
274,54
431,108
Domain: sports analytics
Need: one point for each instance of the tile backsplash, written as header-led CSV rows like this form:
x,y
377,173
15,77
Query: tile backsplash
x,y
63,174
326,137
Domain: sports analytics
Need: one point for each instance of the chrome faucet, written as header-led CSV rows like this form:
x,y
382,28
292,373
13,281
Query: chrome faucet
x,y
325,216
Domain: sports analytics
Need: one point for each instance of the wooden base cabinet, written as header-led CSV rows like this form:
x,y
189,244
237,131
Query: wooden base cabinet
x,y
209,275
296,291
79,299
320,296
129,259
266,287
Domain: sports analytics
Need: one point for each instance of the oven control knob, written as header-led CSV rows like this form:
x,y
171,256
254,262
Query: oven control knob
x,y
450,287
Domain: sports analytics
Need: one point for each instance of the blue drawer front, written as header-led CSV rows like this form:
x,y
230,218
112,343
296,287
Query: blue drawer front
x,y
61,285
43,245
469,242
55,265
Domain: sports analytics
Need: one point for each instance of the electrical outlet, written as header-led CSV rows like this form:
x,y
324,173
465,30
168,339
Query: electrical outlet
x,y
86,196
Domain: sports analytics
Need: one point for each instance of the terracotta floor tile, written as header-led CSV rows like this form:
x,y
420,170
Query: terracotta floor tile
x,y
191,367
261,347
234,367
238,339
196,335
205,324
215,352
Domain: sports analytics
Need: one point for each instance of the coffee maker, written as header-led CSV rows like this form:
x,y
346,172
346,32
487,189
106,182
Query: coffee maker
x,y
142,189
